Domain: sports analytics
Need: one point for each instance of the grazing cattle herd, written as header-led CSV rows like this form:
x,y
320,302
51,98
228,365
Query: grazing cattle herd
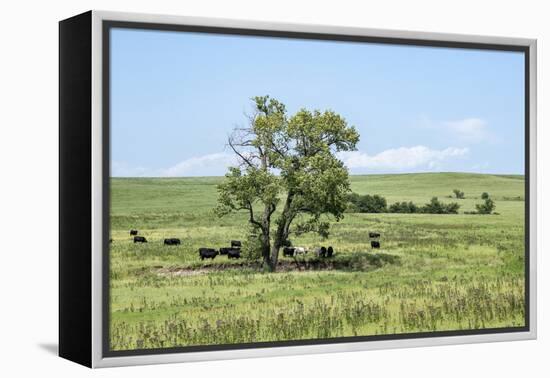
x,y
325,252
295,251
207,253
172,241
374,244
234,251
140,239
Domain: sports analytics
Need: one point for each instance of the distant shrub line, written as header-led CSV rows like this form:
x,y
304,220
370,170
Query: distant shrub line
x,y
367,203
377,204
458,194
486,207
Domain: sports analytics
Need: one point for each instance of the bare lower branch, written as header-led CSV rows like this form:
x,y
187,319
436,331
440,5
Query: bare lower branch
x,y
237,152
251,218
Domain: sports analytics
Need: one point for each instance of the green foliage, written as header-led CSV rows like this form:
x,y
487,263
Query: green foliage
x,y
437,207
289,161
486,207
242,189
404,207
377,204
251,248
458,194
367,203
433,207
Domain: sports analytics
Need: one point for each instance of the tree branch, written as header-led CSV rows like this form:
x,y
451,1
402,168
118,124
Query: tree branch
x,y
272,210
245,160
251,219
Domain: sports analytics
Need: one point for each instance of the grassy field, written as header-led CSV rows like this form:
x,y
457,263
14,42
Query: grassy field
x,y
432,273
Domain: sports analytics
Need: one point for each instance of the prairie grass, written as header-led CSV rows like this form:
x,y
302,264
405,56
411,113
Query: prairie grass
x,y
433,272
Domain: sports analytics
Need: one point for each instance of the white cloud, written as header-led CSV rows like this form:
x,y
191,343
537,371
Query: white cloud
x,y
401,159
123,169
473,130
467,130
396,159
207,165
470,130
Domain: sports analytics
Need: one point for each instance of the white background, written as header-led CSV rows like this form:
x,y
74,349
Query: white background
x,y
29,188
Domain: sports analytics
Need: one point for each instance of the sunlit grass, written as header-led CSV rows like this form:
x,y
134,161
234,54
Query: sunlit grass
x,y
433,272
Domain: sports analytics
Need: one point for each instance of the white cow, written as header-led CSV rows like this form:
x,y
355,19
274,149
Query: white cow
x,y
300,250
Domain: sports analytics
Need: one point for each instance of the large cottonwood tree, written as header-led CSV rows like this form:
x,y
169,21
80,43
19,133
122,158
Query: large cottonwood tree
x,y
289,179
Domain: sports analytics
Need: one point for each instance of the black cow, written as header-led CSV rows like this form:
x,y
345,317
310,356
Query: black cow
x,y
330,251
172,241
321,252
288,251
374,235
224,250
133,232
140,239
207,253
234,253
235,243
375,244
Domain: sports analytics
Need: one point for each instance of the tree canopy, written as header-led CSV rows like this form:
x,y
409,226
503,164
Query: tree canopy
x,y
288,178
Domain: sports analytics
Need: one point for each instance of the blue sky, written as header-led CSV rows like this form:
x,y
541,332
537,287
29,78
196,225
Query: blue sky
x,y
176,96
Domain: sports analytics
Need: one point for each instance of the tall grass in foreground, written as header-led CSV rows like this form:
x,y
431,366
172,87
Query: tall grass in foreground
x,y
420,306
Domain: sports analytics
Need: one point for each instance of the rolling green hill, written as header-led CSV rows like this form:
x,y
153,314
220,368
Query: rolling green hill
x,y
137,197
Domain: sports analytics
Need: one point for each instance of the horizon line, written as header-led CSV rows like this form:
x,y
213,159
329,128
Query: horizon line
x,y
361,174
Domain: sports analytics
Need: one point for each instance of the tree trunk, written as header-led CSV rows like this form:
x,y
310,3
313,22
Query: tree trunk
x,y
274,256
266,249
282,230
266,222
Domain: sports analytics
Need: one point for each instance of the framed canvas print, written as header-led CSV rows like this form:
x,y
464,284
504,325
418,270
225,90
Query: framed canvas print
x,y
236,189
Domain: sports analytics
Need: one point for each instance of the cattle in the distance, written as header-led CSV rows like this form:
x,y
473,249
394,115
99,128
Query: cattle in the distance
x,y
207,253
224,250
234,253
375,244
330,251
140,239
235,244
288,251
300,250
321,252
374,235
172,241
133,232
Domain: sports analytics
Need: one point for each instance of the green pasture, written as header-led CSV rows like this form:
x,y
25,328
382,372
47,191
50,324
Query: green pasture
x,y
432,272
